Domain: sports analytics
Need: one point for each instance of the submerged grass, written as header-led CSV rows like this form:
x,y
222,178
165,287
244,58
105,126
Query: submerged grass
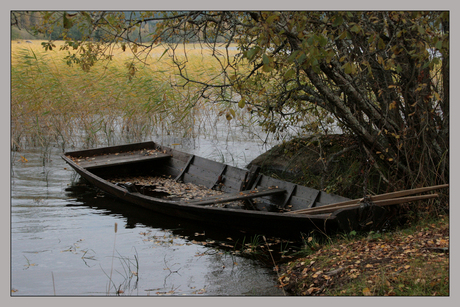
x,y
54,102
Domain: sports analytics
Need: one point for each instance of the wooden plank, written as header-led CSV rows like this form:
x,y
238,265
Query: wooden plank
x,y
250,178
112,160
178,178
236,196
288,197
314,200
207,164
219,178
197,180
231,185
233,173
167,170
113,149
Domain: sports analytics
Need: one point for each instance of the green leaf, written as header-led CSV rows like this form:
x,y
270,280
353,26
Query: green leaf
x,y
272,18
343,35
347,68
322,40
267,68
355,28
265,59
293,56
337,21
250,54
288,75
164,52
439,45
241,103
381,44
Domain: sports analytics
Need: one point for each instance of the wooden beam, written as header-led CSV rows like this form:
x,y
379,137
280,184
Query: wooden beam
x,y
185,169
113,160
249,194
288,197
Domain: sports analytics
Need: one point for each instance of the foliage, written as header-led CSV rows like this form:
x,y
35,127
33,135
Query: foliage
x,y
382,76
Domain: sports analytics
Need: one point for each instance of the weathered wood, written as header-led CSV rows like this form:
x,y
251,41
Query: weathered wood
x,y
288,197
375,198
251,178
178,178
384,202
197,180
114,149
207,164
219,178
270,193
120,159
249,194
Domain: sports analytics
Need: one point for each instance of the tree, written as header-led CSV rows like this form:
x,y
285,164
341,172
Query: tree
x,y
382,76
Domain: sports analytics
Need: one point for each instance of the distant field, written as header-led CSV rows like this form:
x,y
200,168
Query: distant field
x,y
52,101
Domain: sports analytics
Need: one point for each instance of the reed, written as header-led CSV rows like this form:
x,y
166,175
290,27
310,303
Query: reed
x,y
52,102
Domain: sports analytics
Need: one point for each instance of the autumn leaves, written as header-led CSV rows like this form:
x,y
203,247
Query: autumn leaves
x,y
376,265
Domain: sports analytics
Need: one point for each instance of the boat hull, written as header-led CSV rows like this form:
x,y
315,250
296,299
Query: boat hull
x,y
100,164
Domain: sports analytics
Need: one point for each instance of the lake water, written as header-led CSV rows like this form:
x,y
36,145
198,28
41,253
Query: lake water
x,y
63,239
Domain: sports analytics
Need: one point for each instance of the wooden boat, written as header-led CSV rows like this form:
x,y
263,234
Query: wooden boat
x,y
145,174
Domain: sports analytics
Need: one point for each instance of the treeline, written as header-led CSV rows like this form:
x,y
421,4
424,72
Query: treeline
x,y
28,25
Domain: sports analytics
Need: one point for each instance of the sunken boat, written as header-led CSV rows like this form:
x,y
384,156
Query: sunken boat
x,y
186,186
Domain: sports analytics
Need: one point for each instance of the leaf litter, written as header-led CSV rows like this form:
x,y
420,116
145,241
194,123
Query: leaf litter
x,y
377,265
170,188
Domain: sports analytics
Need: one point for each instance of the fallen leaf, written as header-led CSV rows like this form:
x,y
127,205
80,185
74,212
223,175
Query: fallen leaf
x,y
367,292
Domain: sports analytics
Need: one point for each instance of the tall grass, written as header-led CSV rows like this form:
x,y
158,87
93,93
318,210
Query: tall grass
x,y
54,102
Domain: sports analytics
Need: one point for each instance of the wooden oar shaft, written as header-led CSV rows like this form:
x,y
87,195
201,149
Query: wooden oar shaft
x,y
385,202
374,198
407,192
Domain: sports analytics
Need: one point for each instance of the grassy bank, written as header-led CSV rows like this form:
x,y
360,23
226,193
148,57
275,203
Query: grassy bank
x,y
407,262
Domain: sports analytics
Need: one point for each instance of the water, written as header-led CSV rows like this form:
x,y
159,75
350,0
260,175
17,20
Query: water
x,y
63,239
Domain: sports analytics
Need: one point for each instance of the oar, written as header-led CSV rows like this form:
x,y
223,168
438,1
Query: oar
x,y
374,198
385,202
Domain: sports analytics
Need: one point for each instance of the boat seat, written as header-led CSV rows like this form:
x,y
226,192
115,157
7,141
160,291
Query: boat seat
x,y
113,159
242,195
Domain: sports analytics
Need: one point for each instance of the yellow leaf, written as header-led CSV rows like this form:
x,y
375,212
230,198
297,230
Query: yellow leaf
x,y
367,292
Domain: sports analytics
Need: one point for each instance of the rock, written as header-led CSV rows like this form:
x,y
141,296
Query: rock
x,y
302,153
303,160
